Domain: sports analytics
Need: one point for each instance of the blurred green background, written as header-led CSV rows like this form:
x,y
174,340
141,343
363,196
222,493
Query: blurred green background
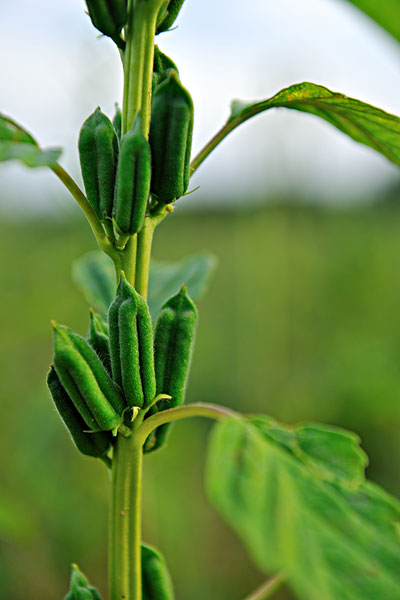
x,y
301,322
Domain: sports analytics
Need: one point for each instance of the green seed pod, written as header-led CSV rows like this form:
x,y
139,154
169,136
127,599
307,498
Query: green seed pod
x,y
98,338
162,66
117,121
98,153
156,580
132,187
131,345
174,6
80,588
108,16
86,381
173,344
92,444
170,138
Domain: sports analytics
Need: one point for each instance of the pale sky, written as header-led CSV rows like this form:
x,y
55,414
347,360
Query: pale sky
x,y
54,72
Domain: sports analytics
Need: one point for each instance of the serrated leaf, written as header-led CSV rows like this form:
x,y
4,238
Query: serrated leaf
x,y
332,541
18,144
386,13
362,122
94,275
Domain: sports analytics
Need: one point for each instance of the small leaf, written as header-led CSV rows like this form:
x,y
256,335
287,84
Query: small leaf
x,y
94,275
18,144
167,278
386,14
360,121
332,540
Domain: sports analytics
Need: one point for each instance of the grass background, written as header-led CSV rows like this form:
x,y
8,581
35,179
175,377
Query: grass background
x,y
301,322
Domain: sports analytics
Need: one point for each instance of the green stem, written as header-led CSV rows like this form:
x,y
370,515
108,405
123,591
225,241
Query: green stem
x,y
125,521
201,409
102,239
128,260
267,589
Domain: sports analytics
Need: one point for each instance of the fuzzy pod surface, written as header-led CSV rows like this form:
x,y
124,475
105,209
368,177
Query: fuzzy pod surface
x,y
92,444
86,381
98,338
131,345
162,65
171,129
173,345
108,16
80,588
156,580
173,8
98,154
132,186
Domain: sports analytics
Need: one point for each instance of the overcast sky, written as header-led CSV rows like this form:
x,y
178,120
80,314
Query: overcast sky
x,y
55,71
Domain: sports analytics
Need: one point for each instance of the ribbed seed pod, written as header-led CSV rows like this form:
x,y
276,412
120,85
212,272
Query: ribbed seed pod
x,y
117,121
108,16
156,580
91,444
98,153
132,186
86,381
173,344
162,66
174,6
80,588
98,338
131,345
170,138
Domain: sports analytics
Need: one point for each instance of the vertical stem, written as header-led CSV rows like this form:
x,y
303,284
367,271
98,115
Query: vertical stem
x,y
128,259
125,581
145,239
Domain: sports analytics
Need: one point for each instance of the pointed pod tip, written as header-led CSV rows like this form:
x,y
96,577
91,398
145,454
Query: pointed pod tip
x,y
53,324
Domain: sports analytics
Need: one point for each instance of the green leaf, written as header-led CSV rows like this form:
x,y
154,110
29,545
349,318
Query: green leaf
x,y
80,588
333,538
18,144
156,580
167,278
386,13
94,275
362,122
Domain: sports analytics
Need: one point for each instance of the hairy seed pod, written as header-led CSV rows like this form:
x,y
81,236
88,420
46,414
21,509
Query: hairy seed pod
x,y
92,444
132,187
173,344
108,16
173,8
156,580
86,381
117,121
131,345
98,338
80,588
170,138
162,66
98,153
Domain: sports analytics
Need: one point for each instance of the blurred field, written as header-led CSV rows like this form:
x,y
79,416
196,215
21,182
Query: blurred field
x,y
302,322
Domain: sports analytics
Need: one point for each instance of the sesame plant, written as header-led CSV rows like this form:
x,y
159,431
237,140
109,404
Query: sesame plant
x,y
297,496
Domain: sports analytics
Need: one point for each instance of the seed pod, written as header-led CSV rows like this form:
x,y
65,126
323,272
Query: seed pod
x,y
86,381
98,153
108,16
162,66
174,6
132,187
91,444
80,588
156,580
98,338
117,121
131,345
170,138
173,344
